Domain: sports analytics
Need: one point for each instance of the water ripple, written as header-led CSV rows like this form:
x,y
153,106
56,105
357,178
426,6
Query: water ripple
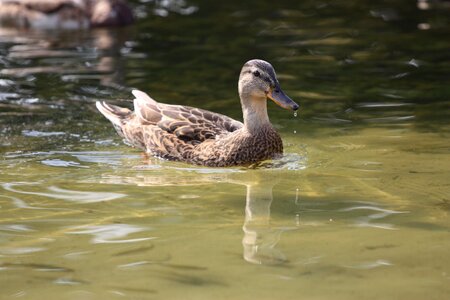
x,y
36,267
380,213
103,157
19,203
67,281
134,264
35,133
18,250
289,161
390,119
68,195
16,228
370,265
61,163
112,233
383,104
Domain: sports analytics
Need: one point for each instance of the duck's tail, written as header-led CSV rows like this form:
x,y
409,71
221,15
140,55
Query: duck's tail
x,y
117,115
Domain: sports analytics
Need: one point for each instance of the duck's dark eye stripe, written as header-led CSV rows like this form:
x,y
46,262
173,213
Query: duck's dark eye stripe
x,y
256,73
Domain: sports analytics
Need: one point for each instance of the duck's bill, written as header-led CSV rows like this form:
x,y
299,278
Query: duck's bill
x,y
279,97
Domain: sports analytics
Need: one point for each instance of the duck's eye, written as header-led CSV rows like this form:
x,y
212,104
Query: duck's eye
x,y
256,73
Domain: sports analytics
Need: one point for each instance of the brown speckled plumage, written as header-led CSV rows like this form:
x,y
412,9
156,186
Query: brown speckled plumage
x,y
202,137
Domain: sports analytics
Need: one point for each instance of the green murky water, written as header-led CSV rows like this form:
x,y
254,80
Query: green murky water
x,y
357,209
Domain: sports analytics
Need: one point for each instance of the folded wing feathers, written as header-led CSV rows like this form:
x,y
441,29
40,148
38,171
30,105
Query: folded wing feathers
x,y
185,122
117,115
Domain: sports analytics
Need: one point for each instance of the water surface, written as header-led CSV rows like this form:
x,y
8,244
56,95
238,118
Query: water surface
x,y
357,209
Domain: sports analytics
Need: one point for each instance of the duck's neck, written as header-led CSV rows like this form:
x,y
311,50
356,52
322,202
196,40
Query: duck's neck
x,y
255,114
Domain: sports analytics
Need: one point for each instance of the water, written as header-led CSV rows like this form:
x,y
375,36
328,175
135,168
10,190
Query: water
x,y
357,209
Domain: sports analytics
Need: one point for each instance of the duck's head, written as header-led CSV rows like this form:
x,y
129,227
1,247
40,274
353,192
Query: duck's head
x,y
258,81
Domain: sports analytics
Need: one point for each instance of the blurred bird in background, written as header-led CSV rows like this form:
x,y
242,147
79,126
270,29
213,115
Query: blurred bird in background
x,y
64,14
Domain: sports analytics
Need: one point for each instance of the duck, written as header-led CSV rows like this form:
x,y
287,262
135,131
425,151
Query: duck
x,y
201,137
64,14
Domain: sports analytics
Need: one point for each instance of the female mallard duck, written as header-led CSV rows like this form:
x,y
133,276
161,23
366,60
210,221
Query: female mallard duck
x,y
64,14
202,137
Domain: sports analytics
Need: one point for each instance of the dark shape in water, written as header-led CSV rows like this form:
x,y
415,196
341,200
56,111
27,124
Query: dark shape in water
x,y
65,14
35,266
135,251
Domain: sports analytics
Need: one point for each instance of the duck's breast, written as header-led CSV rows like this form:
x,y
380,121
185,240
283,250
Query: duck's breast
x,y
240,148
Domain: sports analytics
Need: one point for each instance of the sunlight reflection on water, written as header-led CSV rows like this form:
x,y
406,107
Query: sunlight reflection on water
x,y
64,194
111,233
379,213
371,265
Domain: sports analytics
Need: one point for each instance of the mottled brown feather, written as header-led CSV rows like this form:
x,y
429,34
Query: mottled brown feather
x,y
190,134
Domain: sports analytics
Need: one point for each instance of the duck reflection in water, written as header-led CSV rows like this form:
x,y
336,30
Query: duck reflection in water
x,y
260,238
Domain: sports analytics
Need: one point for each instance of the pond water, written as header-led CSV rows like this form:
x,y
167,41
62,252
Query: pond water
x,y
358,208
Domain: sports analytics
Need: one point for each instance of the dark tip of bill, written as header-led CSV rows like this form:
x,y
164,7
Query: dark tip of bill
x,y
295,106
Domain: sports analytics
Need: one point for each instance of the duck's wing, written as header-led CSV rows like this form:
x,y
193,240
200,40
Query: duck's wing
x,y
187,123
